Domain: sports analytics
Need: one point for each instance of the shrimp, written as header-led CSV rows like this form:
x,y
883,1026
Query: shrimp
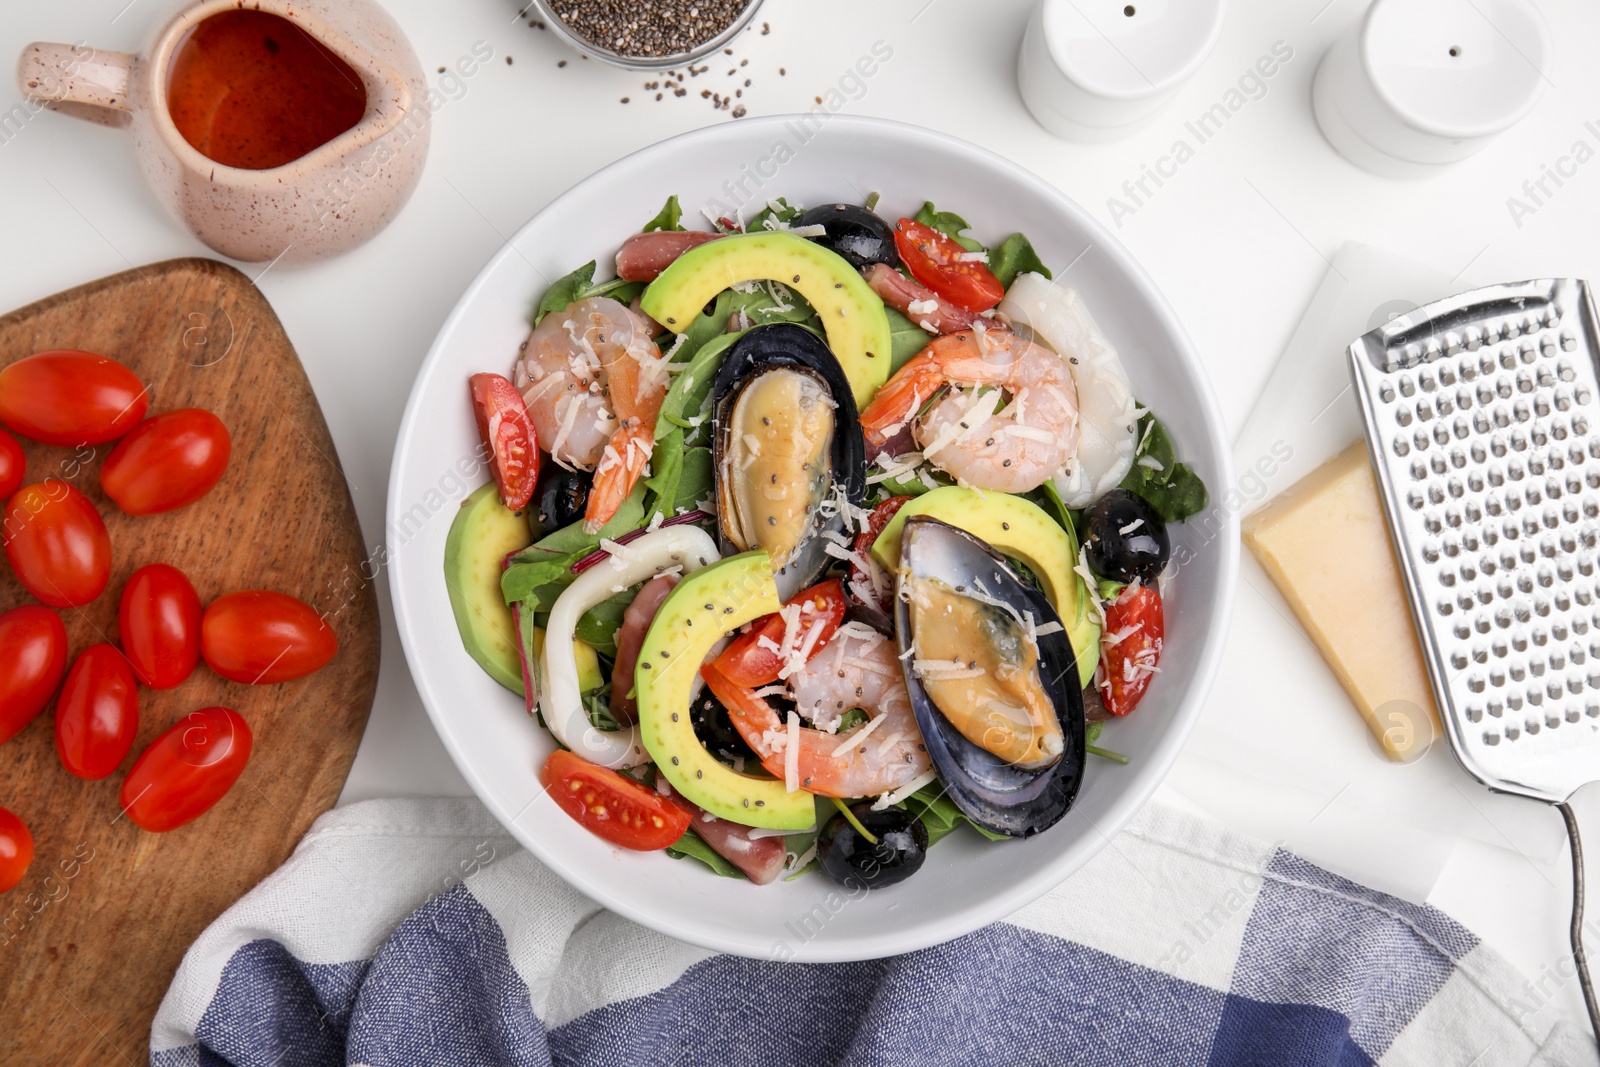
x,y
858,669
593,382
1012,443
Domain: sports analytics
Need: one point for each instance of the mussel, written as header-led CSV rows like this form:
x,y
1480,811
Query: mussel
x,y
786,436
999,707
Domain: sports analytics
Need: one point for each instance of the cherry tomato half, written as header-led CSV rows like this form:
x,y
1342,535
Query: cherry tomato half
x,y
507,433
166,462
57,544
97,714
187,769
66,397
16,850
1131,648
261,637
935,260
753,662
158,622
13,465
611,805
33,655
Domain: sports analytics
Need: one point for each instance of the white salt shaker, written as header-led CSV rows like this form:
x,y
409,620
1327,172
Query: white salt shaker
x,y
1096,70
1416,85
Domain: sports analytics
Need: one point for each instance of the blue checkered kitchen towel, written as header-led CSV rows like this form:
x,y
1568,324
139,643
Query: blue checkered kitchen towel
x,y
1180,944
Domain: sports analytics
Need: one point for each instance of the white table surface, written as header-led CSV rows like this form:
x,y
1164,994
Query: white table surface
x,y
1238,240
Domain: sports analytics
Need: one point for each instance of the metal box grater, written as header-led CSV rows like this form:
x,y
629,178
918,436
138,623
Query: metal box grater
x,y
1483,419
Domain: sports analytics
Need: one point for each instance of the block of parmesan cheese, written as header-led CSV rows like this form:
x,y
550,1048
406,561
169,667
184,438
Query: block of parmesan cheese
x,y
1326,545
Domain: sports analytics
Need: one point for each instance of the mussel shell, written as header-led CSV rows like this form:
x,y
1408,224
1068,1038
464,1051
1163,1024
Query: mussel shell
x,y
994,794
779,346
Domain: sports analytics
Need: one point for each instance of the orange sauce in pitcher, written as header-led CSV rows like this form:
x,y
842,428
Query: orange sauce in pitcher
x,y
253,90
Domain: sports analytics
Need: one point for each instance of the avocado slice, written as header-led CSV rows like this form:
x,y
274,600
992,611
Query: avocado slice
x,y
481,535
851,313
1022,530
701,608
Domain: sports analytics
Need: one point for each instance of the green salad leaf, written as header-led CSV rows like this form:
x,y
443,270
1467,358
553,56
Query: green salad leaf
x,y
548,561
940,814
598,626
1012,257
597,705
949,223
906,339
779,211
1172,488
668,218
580,285
690,846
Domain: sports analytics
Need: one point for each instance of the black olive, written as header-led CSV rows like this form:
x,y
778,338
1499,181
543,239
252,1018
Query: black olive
x,y
561,495
858,235
716,730
1127,539
852,860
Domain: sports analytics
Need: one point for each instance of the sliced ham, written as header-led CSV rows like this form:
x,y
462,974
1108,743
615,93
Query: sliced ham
x,y
645,255
932,310
630,636
760,858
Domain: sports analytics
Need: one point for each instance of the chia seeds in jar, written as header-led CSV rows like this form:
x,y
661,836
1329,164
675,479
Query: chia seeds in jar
x,y
648,34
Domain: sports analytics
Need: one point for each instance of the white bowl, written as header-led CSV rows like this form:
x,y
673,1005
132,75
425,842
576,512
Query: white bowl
x,y
967,882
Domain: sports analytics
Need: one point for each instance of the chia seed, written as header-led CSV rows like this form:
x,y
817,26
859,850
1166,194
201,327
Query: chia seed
x,y
662,28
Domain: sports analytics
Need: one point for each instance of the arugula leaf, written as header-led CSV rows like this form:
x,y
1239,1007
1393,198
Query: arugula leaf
x,y
947,222
691,387
580,285
851,719
784,213
565,291
1050,501
1172,488
690,846
940,814
597,705
906,339
1092,734
598,626
668,218
1012,257
680,477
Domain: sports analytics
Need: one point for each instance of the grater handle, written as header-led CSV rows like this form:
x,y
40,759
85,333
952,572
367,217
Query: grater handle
x,y
1579,959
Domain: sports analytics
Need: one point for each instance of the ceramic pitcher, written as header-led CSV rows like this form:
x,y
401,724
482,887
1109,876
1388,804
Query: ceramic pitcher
x,y
325,202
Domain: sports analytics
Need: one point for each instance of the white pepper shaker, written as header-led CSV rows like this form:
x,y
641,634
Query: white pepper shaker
x,y
1415,85
1096,70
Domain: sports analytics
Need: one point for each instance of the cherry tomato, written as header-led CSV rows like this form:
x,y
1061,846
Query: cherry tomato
x,y
66,397
33,655
1130,647
186,770
158,621
166,462
261,637
16,850
860,581
610,805
57,544
753,659
507,433
934,259
97,714
13,465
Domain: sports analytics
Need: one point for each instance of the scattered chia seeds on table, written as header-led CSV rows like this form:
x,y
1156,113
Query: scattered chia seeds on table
x,y
659,28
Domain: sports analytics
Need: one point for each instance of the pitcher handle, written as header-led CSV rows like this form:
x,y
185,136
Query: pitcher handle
x,y
77,79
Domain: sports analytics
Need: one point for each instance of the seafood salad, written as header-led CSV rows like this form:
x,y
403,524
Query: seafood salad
x,y
815,536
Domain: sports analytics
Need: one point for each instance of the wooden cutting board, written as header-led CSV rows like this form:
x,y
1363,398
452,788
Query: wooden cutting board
x,y
90,939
